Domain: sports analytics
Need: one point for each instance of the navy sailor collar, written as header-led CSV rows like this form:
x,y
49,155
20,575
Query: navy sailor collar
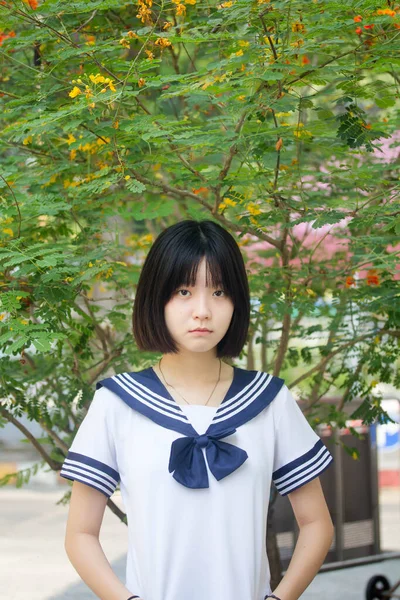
x,y
249,393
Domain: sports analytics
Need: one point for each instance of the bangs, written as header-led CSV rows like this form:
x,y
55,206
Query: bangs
x,y
186,268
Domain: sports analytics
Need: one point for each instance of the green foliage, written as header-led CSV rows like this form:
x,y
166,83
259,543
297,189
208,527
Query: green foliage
x,y
277,119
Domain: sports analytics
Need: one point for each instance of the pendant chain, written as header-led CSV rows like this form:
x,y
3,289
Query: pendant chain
x,y
219,377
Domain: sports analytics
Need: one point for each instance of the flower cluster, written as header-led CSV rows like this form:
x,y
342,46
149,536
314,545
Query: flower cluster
x,y
96,79
4,36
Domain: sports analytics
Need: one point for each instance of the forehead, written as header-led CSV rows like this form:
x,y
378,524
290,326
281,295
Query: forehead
x,y
204,273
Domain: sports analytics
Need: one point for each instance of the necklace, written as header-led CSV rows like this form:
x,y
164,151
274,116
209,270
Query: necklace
x,y
219,377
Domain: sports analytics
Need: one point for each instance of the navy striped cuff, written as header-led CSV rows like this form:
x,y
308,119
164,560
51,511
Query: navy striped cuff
x,y
90,471
303,469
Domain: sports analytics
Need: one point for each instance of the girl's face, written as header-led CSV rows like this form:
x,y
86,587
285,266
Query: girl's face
x,y
198,306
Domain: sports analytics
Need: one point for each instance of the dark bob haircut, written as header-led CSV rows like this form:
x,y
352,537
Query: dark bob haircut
x,y
173,261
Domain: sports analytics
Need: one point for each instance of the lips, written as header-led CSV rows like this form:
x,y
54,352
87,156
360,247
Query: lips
x,y
200,330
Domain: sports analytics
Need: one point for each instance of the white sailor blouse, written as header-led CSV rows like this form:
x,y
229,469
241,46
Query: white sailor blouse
x,y
195,480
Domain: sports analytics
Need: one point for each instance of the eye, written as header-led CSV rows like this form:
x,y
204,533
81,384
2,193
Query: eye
x,y
185,290
182,290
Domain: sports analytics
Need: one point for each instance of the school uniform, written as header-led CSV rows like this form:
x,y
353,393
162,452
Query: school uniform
x,y
195,480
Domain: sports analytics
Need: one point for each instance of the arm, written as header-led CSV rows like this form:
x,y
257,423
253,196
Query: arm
x,y
83,547
315,537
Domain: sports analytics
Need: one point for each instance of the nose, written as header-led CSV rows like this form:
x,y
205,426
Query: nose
x,y
201,308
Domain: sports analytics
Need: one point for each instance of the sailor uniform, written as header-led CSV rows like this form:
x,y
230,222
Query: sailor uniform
x,y
195,480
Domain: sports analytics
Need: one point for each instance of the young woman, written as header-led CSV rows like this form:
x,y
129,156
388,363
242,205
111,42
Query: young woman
x,y
195,443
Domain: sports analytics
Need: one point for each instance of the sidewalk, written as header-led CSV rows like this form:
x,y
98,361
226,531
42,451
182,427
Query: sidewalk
x,y
34,565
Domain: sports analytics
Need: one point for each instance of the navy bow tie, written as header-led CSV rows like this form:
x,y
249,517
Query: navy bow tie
x,y
187,460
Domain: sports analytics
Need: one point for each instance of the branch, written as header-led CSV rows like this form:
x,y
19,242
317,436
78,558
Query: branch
x,y
328,357
187,194
55,465
16,202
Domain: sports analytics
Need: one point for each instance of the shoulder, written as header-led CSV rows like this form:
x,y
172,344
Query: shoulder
x,y
106,399
257,382
269,382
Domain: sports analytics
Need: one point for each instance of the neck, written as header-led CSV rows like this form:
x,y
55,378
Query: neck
x,y
194,369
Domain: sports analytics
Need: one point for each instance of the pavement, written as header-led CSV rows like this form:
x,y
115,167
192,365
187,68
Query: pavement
x,y
34,565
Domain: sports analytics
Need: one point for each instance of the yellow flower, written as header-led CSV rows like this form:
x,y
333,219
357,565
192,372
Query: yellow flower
x,y
141,82
111,86
229,202
244,43
162,42
303,132
74,92
72,154
27,140
125,43
97,78
374,383
239,52
253,209
132,34
181,9
167,25
70,139
354,455
150,55
298,27
8,231
225,4
127,177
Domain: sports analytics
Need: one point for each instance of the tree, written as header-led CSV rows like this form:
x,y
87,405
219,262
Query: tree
x,y
269,117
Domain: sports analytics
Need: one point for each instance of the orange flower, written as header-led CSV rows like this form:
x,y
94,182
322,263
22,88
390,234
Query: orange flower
x,y
4,36
368,26
32,3
358,31
358,18
386,11
305,60
372,277
200,189
350,281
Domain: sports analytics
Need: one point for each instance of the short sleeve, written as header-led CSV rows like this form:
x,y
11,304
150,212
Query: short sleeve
x,y
91,459
299,453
